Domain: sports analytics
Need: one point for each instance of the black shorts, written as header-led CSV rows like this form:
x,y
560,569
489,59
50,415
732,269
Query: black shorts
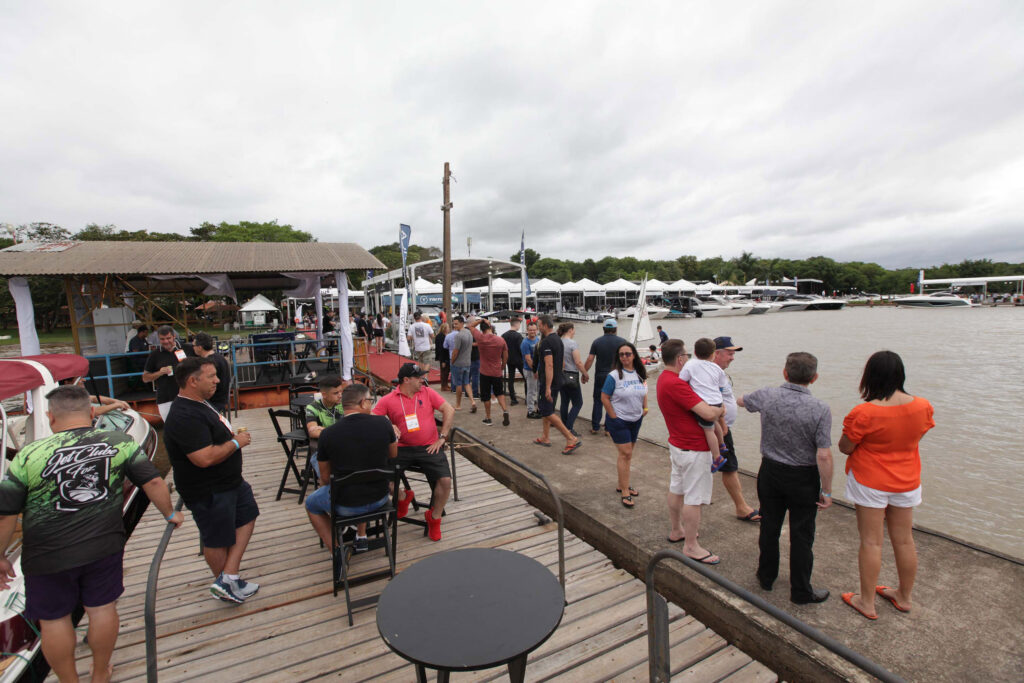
x,y
491,385
731,463
704,423
378,333
435,465
54,596
218,516
545,407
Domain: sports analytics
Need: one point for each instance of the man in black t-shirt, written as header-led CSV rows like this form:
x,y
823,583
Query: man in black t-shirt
x,y
358,441
203,347
206,454
160,368
550,357
602,350
514,341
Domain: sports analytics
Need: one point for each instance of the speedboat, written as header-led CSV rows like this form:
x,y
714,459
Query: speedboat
x,y
717,307
653,312
935,300
37,376
824,303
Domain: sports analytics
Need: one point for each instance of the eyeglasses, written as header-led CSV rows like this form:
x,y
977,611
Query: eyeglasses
x,y
626,354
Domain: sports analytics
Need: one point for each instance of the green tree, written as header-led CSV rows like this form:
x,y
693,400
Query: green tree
x,y
531,258
551,268
249,231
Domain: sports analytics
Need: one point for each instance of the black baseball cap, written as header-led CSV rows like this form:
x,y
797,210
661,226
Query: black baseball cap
x,y
726,343
410,370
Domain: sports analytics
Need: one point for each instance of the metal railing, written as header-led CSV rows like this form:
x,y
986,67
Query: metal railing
x,y
657,622
535,473
150,611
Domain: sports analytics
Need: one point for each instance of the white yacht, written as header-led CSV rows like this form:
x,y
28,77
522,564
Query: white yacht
x,y
934,300
717,307
653,312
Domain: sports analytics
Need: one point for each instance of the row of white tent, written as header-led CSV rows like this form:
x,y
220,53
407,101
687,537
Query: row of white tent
x,y
584,286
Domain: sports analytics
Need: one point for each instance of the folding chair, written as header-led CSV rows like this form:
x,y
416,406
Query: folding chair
x,y
292,442
381,530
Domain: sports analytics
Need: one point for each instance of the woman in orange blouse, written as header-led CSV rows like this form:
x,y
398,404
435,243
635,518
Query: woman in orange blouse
x,y
883,477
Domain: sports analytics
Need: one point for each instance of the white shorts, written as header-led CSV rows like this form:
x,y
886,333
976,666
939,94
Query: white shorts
x,y
691,475
164,409
859,494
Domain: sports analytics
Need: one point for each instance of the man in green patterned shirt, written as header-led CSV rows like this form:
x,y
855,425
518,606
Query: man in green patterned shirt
x,y
68,486
323,412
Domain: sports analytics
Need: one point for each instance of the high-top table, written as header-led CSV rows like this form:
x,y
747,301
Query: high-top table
x,y
470,609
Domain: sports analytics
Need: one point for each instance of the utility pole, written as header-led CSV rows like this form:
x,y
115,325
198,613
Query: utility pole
x,y
446,209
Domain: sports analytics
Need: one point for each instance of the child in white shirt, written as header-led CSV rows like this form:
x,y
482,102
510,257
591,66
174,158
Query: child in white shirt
x,y
708,381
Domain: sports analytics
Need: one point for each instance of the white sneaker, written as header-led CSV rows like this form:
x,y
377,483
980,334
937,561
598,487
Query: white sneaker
x,y
245,588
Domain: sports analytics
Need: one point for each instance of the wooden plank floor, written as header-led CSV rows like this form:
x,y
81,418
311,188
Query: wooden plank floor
x,y
295,630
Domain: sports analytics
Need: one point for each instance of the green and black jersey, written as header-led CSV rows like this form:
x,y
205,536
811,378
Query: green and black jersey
x,y
70,487
322,415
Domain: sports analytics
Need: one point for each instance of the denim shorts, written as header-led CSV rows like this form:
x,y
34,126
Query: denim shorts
x,y
319,503
622,431
460,376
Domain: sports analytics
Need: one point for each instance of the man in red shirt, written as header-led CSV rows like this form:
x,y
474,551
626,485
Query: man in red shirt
x,y
493,356
691,460
410,407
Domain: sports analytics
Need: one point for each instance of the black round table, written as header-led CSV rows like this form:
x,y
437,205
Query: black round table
x,y
470,609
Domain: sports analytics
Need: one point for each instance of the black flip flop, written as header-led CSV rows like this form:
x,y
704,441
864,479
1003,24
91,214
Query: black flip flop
x,y
678,540
627,502
632,491
704,560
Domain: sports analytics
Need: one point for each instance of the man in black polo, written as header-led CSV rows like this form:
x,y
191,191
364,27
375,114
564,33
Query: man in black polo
x,y
203,346
160,368
206,454
550,359
602,350
514,340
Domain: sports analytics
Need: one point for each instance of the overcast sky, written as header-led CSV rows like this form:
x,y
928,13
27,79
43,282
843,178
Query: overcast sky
x,y
890,132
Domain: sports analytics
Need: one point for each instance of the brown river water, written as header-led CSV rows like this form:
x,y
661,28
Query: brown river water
x,y
968,362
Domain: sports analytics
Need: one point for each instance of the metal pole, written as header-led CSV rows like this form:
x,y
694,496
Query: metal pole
x,y
446,208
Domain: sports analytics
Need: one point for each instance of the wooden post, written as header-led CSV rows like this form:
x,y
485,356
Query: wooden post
x,y
70,293
446,208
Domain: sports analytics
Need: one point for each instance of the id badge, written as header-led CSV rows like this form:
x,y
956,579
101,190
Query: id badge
x,y
226,423
179,354
412,423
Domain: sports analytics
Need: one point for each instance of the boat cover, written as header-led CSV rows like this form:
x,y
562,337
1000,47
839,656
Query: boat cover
x,y
18,376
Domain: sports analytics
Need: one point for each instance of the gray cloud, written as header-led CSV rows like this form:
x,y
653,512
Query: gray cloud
x,y
870,131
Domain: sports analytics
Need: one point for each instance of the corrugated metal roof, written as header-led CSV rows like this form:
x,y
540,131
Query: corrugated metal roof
x,y
167,258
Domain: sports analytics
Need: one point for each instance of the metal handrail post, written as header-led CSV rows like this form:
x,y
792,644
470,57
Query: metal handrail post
x,y
544,480
657,622
150,610
110,380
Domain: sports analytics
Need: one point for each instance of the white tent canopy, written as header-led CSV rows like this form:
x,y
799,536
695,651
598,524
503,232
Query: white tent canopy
x,y
258,303
655,286
621,285
545,285
682,286
591,288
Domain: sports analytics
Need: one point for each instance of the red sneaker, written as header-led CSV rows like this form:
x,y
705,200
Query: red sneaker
x,y
433,526
403,505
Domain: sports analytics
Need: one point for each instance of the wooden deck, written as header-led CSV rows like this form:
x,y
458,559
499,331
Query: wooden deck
x,y
295,630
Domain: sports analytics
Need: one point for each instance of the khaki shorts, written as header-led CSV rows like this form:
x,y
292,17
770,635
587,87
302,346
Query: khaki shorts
x,y
423,357
691,475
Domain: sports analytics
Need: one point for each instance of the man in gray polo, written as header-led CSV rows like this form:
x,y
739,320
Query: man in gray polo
x,y
795,474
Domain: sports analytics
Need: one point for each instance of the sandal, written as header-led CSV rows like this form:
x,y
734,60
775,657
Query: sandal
x,y
627,501
545,444
632,492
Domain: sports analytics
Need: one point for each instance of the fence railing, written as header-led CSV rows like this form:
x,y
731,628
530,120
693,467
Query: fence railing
x,y
660,669
150,609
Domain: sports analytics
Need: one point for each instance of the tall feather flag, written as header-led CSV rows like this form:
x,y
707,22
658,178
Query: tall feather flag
x,y
522,262
404,233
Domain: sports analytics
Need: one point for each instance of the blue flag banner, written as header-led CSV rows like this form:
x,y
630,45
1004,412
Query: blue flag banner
x,y
404,233
522,262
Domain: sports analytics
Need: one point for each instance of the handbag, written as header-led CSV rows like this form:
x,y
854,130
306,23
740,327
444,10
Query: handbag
x,y
572,379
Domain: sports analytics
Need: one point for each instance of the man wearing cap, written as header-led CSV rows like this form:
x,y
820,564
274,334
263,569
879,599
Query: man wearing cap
x,y
725,352
602,351
410,407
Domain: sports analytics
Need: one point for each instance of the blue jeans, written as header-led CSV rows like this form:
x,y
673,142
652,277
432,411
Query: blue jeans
x,y
319,503
573,396
595,415
474,377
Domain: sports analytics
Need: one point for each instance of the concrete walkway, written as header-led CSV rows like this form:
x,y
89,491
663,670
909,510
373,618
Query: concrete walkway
x,y
968,611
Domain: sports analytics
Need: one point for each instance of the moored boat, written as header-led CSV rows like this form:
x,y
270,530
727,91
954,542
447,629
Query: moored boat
x,y
934,300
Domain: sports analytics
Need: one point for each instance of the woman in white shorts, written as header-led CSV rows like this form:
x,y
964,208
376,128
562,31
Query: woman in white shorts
x,y
883,477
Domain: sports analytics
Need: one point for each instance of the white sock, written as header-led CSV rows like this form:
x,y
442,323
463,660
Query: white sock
x,y
360,538
231,577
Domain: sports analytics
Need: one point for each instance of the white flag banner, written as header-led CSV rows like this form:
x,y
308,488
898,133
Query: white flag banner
x,y
344,329
403,341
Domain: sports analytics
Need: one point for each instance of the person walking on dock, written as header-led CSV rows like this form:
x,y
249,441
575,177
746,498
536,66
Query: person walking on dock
x,y
69,488
795,474
206,454
725,353
883,477
493,357
690,479
421,336
602,350
550,358
411,407
624,396
514,341
461,351
160,366
529,371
